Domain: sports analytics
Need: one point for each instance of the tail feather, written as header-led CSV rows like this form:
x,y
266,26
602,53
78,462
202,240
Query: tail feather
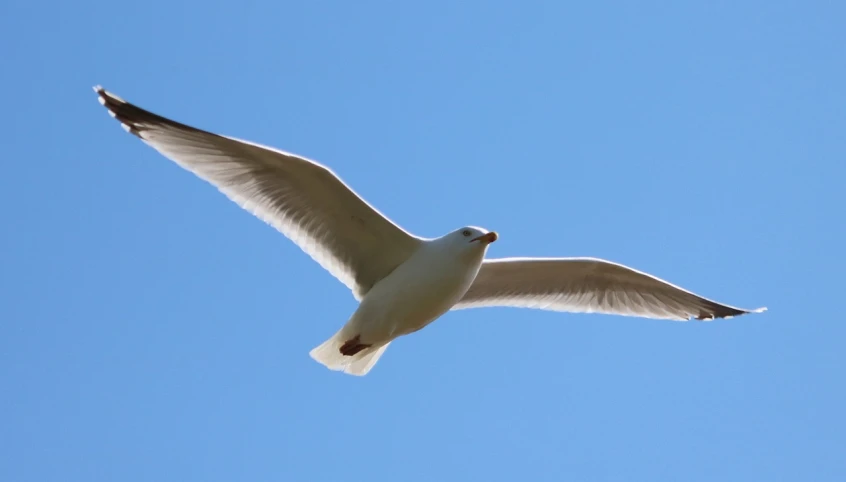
x,y
329,355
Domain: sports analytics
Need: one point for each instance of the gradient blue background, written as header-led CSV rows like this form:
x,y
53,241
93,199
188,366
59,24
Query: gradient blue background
x,y
150,330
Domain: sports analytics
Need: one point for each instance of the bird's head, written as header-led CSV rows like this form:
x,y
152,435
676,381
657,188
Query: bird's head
x,y
471,238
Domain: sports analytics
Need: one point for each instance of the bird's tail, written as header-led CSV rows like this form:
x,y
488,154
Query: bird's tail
x,y
329,355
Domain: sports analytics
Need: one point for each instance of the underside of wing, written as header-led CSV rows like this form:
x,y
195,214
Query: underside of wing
x,y
587,285
302,199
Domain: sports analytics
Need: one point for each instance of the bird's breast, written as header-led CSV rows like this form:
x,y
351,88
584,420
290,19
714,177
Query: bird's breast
x,y
416,293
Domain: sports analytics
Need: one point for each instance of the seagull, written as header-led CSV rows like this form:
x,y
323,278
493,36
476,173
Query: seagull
x,y
402,282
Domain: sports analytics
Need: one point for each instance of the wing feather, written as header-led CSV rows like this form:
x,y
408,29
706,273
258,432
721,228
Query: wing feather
x,y
302,199
587,285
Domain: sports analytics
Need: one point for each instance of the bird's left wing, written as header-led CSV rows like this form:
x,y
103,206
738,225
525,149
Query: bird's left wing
x,y
586,285
304,200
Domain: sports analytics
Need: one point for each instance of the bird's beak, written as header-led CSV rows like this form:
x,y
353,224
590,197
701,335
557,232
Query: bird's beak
x,y
486,238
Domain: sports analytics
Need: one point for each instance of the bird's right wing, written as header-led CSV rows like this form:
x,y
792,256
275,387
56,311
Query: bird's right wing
x,y
304,200
586,285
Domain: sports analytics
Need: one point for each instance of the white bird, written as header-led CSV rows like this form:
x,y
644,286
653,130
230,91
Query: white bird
x,y
402,282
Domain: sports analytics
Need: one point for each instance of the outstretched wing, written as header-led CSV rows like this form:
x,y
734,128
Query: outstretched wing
x,y
304,200
587,285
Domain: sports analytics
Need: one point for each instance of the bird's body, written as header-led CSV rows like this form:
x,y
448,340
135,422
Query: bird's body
x,y
403,282
415,294
419,290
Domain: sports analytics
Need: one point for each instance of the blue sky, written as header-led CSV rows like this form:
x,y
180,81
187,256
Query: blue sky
x,y
152,330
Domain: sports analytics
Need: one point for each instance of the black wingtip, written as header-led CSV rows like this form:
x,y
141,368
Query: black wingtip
x,y
727,312
114,105
132,118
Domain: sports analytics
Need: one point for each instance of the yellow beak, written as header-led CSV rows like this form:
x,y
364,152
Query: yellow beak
x,y
486,238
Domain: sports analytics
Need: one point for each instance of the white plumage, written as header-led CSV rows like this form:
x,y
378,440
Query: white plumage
x,y
403,282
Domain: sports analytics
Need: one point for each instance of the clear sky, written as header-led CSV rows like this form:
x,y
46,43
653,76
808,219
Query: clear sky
x,y
151,330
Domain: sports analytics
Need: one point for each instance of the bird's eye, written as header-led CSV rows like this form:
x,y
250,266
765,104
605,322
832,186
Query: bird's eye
x,y
466,232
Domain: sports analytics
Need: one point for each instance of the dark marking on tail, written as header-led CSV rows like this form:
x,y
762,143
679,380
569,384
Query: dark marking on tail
x,y
353,346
